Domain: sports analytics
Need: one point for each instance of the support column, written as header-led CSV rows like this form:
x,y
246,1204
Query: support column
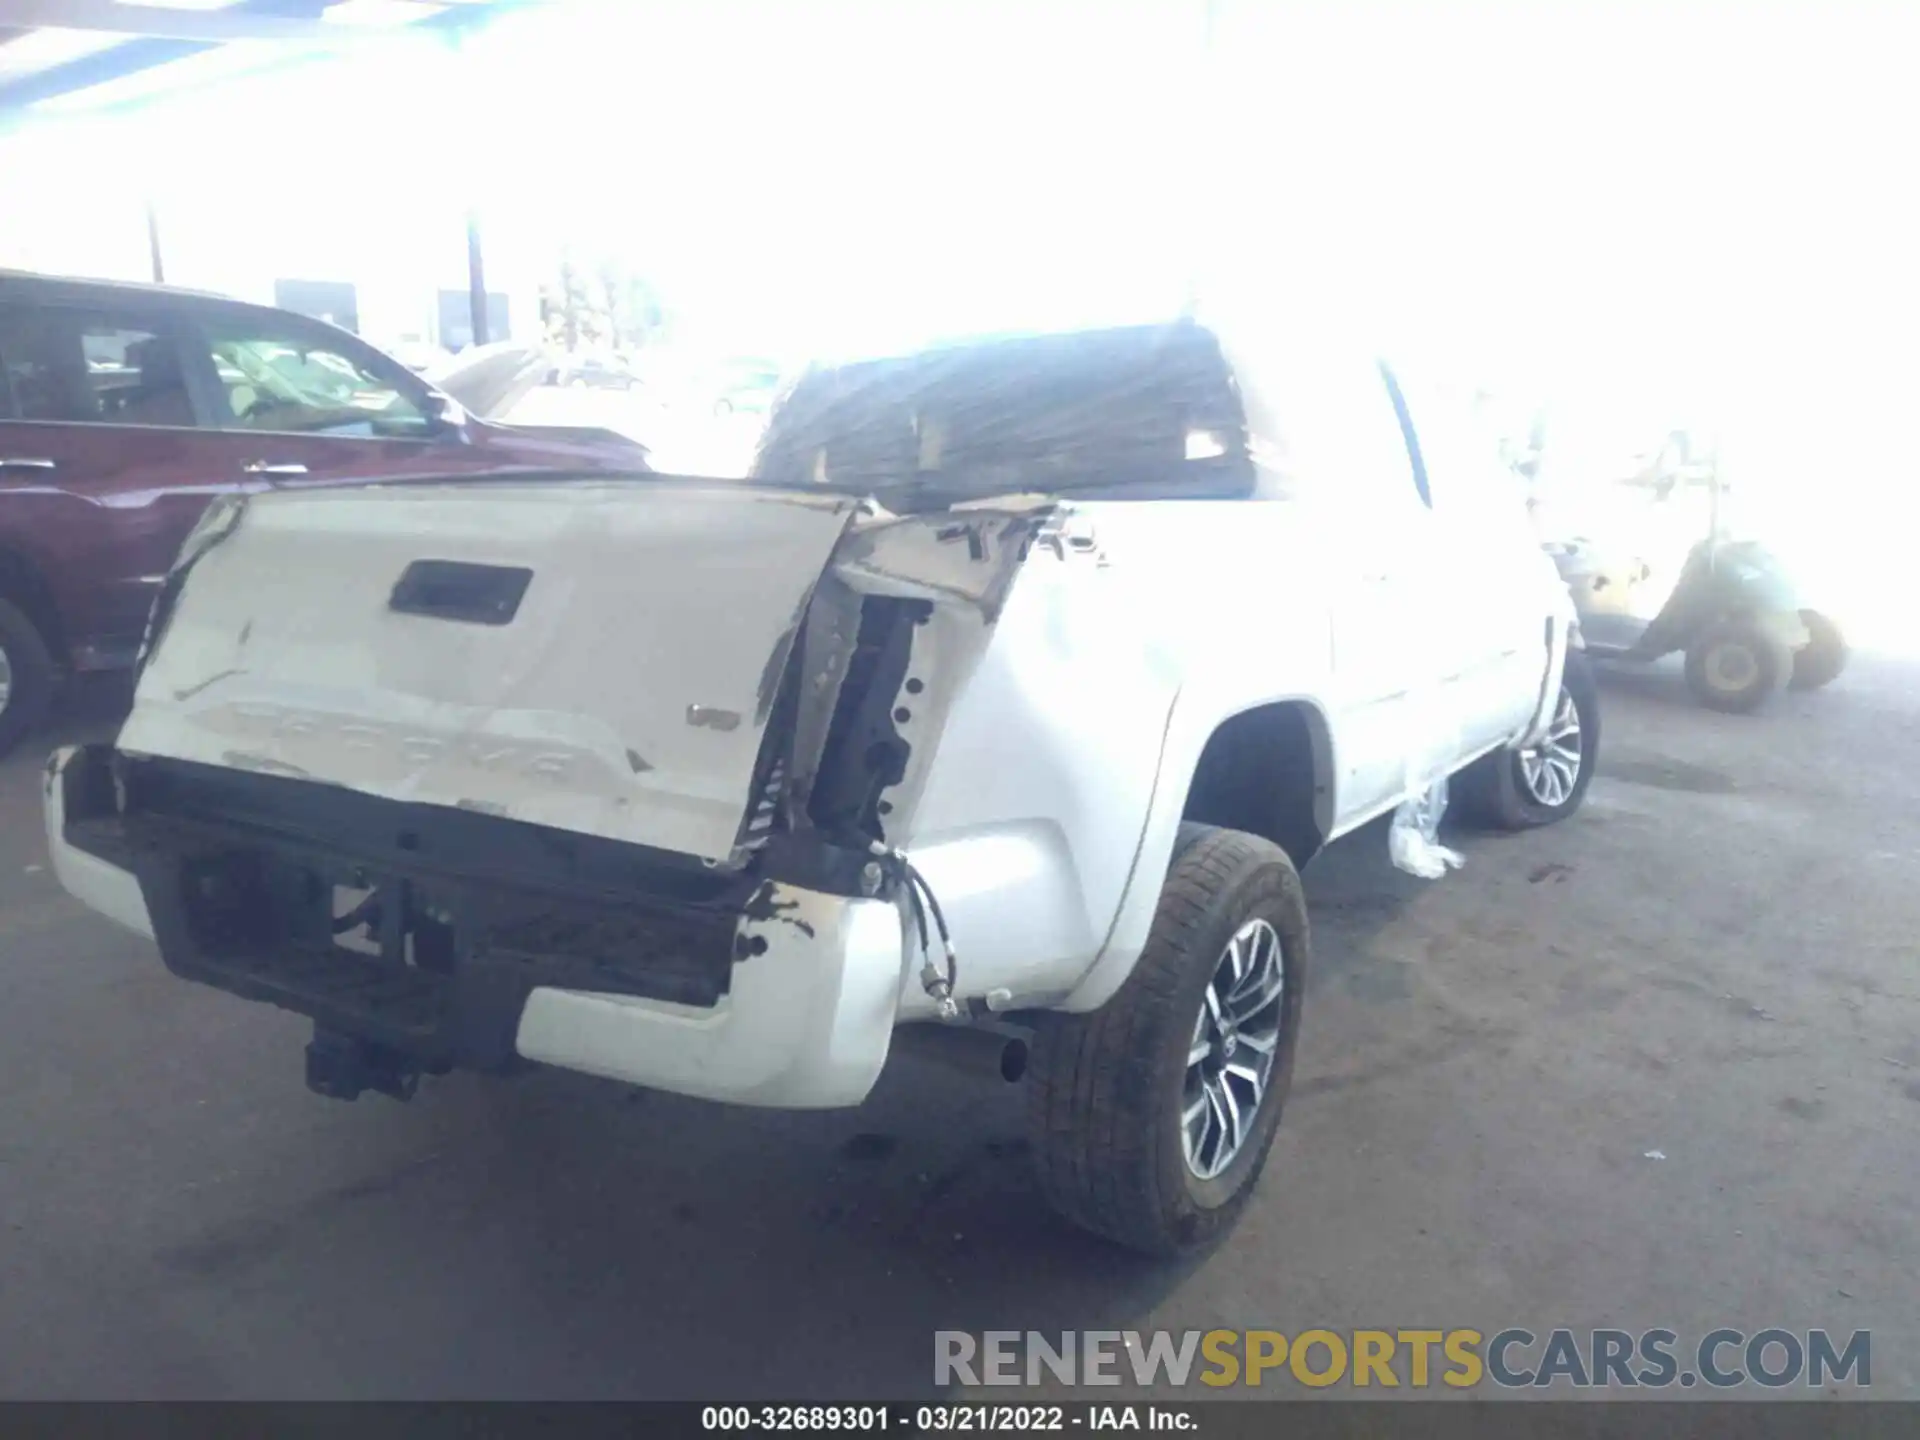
x,y
476,281
153,244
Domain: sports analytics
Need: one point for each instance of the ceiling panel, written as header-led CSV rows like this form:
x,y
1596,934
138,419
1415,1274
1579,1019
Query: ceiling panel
x,y
53,52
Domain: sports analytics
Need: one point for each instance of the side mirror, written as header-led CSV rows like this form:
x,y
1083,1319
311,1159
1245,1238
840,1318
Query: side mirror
x,y
445,415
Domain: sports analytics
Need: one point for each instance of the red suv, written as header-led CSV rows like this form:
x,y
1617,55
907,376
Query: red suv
x,y
125,409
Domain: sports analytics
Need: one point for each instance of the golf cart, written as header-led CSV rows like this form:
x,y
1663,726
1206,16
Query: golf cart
x,y
1644,586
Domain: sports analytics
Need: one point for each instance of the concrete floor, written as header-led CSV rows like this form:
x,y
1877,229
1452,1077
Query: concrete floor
x,y
1715,961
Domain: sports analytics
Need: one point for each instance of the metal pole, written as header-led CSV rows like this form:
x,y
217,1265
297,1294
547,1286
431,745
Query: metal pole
x,y
153,244
476,280
457,36
1208,144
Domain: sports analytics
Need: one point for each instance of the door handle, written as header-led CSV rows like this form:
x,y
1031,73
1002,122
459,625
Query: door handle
x,y
27,462
268,467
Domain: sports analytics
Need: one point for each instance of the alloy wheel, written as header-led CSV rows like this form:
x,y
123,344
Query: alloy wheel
x,y
1230,1060
1550,769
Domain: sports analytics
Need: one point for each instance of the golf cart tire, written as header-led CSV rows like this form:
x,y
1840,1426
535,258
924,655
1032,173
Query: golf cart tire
x,y
1819,662
1773,667
31,669
1492,792
1105,1089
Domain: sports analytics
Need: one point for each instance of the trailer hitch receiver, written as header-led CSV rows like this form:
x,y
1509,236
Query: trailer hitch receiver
x,y
341,1066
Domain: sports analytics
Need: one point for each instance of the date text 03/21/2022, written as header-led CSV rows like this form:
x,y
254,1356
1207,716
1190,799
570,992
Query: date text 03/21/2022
x,y
959,1418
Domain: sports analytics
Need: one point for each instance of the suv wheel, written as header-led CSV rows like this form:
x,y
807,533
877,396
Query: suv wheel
x,y
26,676
1521,789
1151,1117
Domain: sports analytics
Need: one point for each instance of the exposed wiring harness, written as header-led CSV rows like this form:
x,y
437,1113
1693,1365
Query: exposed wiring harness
x,y
937,979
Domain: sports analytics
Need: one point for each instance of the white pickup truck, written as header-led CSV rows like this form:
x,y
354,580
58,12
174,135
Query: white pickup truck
x,y
996,712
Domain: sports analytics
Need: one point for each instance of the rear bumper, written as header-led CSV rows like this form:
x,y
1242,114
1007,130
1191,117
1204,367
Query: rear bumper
x,y
102,881
773,994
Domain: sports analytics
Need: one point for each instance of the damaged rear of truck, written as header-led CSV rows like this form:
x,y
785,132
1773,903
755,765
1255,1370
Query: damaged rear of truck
x,y
385,770
929,728
621,773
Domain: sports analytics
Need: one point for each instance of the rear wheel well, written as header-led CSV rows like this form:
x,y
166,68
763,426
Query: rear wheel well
x,y
1268,771
22,585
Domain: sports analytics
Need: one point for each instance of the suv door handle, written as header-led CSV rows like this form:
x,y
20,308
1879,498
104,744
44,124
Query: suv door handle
x,y
27,462
268,467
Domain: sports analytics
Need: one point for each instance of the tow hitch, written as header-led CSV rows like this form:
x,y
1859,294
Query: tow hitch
x,y
340,1066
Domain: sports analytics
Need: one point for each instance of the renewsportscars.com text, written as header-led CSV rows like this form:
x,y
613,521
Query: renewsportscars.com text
x,y
1414,1359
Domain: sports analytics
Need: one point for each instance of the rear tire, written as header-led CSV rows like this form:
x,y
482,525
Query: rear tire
x,y
1524,789
26,676
1111,1094
1736,667
1820,661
